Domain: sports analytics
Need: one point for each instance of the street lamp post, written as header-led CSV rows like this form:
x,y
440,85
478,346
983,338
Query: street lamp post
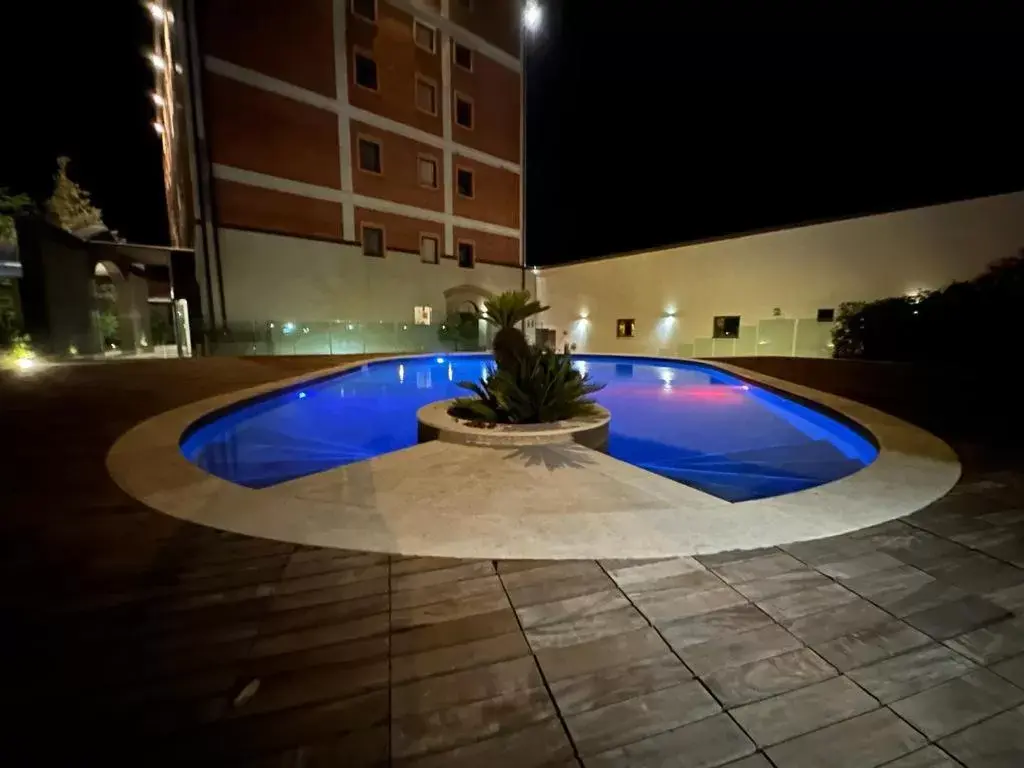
x,y
533,15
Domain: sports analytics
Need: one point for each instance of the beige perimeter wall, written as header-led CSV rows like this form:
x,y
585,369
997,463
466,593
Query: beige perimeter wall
x,y
674,294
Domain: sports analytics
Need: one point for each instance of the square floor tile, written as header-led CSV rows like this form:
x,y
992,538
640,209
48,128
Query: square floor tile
x,y
958,703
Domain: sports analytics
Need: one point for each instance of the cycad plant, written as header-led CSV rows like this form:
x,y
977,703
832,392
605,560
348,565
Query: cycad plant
x,y
528,385
505,311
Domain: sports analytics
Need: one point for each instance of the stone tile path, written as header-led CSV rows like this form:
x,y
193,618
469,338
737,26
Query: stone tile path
x,y
137,638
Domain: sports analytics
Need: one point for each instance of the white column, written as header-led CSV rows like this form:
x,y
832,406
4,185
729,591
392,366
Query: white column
x,y
446,132
348,210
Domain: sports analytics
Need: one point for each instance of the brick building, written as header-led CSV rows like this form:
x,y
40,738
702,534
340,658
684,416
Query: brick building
x,y
355,161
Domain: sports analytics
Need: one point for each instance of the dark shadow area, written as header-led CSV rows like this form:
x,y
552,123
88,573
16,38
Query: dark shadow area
x,y
552,457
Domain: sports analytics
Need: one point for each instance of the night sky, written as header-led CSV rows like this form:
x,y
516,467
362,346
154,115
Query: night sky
x,y
645,126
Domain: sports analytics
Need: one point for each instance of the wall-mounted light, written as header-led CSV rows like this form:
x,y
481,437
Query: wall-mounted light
x,y
584,314
156,11
535,271
157,99
158,127
157,62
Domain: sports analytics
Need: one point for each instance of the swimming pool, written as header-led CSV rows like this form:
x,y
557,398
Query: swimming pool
x,y
686,421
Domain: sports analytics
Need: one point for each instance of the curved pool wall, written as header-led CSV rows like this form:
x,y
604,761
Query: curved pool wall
x,y
687,421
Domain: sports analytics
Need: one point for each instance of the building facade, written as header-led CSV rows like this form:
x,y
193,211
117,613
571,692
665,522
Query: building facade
x,y
774,293
356,164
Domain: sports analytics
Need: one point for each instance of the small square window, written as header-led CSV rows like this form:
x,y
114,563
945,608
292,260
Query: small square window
x,y
427,171
373,240
463,56
424,35
365,9
426,95
726,327
366,71
463,111
826,315
421,315
429,246
467,254
624,328
370,156
464,182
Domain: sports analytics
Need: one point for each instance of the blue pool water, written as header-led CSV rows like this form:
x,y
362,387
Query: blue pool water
x,y
689,422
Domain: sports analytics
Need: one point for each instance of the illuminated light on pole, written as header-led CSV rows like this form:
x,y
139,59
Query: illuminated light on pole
x,y
158,63
157,99
533,15
156,12
158,127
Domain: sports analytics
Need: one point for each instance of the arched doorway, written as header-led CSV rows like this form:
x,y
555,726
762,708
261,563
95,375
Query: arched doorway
x,y
464,331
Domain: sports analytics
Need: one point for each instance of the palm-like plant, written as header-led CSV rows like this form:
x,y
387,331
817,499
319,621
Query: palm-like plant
x,y
505,311
542,386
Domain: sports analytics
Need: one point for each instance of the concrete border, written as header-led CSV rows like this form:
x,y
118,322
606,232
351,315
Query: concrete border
x,y
555,501
435,423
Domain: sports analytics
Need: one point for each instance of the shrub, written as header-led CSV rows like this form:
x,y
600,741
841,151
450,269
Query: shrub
x,y
505,311
541,386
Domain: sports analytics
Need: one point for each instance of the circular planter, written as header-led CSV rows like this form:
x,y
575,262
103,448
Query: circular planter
x,y
434,423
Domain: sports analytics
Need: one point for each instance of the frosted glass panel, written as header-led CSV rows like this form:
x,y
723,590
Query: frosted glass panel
x,y
746,344
775,336
685,350
702,348
723,347
813,338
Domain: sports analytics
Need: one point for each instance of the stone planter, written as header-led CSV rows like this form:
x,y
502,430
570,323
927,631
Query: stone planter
x,y
434,423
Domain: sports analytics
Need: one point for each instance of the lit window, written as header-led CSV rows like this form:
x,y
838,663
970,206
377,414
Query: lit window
x,y
370,156
726,327
429,246
421,315
624,328
467,254
826,315
373,240
426,95
424,35
463,111
427,171
365,9
366,71
464,182
463,56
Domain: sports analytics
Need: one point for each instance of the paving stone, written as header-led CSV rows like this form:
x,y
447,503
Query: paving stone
x,y
598,654
856,615
830,550
598,689
449,610
356,590
995,743
733,556
736,650
670,604
312,637
797,604
464,686
867,646
454,632
440,593
950,619
328,560
311,684
543,744
769,677
929,757
631,577
562,589
926,550
550,573
694,581
859,566
466,723
454,657
991,643
757,760
892,582
758,568
865,741
946,524
708,626
326,580
1005,517
587,628
468,570
958,703
1012,670
360,749
711,742
324,613
599,730
1012,598
976,572
571,608
934,594
793,581
912,672
406,565
806,709
363,650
